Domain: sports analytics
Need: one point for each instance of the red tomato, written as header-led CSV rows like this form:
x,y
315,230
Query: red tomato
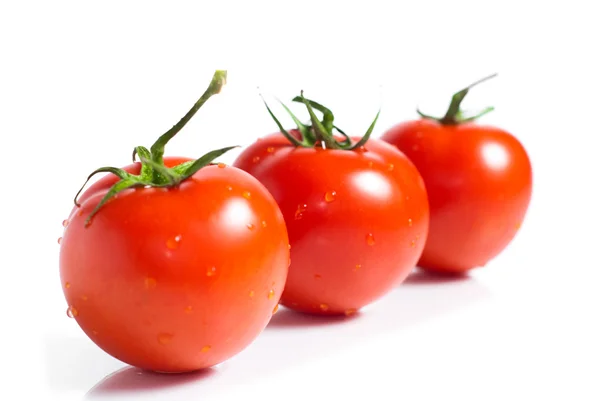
x,y
175,278
357,219
479,183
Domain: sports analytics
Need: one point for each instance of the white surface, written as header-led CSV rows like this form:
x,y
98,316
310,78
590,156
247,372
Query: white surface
x,y
82,83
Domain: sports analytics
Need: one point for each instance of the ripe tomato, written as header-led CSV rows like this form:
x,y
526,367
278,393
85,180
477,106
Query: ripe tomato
x,y
357,216
479,183
174,277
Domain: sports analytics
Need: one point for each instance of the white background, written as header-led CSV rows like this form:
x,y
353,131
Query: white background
x,y
82,83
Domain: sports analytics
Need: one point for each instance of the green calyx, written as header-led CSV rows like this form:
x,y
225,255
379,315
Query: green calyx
x,y
455,115
319,132
153,171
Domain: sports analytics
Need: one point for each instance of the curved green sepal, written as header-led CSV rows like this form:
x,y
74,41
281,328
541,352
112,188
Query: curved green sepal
x,y
307,135
115,189
204,161
122,174
283,131
327,114
320,128
180,168
367,135
477,115
347,141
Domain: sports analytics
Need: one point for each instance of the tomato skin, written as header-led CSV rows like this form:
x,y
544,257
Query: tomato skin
x,y
350,247
140,278
479,183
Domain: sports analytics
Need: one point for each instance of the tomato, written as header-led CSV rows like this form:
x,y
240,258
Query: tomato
x,y
357,217
174,277
479,183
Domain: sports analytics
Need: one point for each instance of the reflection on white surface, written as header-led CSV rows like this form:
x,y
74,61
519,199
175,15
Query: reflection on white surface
x,y
293,340
130,381
495,156
372,183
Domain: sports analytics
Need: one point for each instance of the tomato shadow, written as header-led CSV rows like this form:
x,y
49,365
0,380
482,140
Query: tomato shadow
x,y
424,277
293,338
288,318
134,381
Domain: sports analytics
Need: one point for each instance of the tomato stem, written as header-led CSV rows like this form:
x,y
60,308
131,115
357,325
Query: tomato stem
x,y
454,115
319,132
153,172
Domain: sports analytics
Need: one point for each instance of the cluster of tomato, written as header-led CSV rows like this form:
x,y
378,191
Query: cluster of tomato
x,y
173,264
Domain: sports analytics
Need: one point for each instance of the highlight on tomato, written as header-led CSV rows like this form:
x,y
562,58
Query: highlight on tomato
x,y
479,183
172,264
355,207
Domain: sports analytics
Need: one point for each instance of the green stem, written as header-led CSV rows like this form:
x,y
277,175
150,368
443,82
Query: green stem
x,y
320,131
216,84
454,114
319,127
153,171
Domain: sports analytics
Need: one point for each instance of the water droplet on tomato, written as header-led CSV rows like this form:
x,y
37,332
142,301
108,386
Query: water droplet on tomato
x,y
299,211
263,224
255,159
188,309
221,165
324,307
250,226
318,276
251,294
275,309
362,149
65,223
67,285
370,239
330,196
164,338
229,188
59,240
72,312
410,222
271,294
246,194
173,243
390,167
211,271
289,247
270,149
150,283
350,312
206,348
